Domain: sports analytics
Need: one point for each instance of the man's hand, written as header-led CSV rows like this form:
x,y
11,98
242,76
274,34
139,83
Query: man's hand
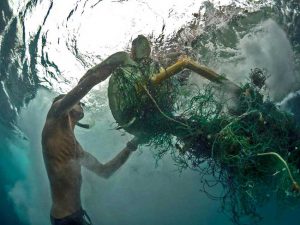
x,y
133,144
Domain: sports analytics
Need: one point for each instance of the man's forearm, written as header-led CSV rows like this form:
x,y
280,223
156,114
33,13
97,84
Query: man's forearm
x,y
113,165
106,170
91,78
102,70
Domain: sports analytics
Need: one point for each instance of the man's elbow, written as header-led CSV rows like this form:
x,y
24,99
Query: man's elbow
x,y
105,173
106,176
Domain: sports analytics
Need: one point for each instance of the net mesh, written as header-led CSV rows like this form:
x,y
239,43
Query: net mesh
x,y
249,154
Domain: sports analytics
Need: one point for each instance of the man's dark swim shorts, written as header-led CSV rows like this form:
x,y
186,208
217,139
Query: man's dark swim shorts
x,y
78,218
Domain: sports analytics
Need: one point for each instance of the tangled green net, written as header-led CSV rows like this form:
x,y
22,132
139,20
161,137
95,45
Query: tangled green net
x,y
251,151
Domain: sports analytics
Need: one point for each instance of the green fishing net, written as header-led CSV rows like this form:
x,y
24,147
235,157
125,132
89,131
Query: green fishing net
x,y
129,92
249,153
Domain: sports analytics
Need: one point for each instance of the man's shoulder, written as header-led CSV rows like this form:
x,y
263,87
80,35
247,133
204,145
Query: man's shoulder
x,y
52,119
52,113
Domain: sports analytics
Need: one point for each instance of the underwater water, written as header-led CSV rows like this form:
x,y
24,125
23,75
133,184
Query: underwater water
x,y
46,46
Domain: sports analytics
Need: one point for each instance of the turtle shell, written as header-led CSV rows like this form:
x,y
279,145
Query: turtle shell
x,y
128,100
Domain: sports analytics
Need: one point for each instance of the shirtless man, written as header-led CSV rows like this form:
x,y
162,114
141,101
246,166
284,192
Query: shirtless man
x,y
64,156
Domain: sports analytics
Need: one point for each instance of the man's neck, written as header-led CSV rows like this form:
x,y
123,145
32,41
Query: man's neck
x,y
72,122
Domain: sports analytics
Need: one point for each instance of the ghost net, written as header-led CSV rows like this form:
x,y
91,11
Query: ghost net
x,y
251,151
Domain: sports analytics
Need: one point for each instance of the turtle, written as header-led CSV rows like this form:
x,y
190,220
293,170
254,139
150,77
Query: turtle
x,y
128,95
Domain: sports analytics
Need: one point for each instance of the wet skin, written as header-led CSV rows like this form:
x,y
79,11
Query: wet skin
x,y
62,154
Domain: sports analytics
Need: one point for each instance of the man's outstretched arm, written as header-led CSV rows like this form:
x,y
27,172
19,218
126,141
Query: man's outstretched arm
x,y
106,170
91,78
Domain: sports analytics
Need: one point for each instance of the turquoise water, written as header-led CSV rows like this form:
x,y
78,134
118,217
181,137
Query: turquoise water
x,y
46,46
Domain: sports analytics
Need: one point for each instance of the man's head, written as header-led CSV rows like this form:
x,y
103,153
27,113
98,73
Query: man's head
x,y
76,112
140,48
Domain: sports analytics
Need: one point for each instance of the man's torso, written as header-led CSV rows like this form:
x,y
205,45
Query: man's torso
x,y
61,157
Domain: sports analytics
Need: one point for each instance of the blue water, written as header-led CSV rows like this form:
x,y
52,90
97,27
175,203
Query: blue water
x,y
46,46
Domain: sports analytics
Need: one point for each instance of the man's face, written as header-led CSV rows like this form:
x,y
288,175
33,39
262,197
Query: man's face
x,y
77,112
